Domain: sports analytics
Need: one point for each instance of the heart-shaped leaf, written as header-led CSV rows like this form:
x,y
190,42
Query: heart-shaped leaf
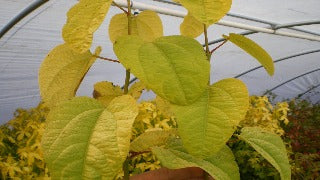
x,y
191,27
174,67
207,124
147,25
83,140
61,73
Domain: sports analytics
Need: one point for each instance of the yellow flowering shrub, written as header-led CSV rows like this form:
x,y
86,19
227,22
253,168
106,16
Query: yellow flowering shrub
x,y
151,116
262,114
20,138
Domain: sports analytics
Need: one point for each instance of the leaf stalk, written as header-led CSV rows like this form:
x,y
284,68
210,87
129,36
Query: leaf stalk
x,y
107,59
129,15
213,50
208,53
117,5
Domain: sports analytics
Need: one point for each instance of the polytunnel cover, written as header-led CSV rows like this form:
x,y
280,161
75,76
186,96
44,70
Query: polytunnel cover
x,y
297,63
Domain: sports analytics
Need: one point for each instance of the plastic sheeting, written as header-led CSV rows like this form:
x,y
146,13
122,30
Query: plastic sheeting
x,y
24,47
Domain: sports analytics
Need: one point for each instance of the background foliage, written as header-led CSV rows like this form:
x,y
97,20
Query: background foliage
x,y
303,134
20,138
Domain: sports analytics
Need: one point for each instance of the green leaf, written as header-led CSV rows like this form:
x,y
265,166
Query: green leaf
x,y
174,67
207,124
147,25
83,140
225,161
61,73
151,139
105,92
222,166
191,27
254,50
207,11
270,146
83,20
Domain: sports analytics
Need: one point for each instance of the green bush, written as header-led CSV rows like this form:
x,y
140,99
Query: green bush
x,y
303,134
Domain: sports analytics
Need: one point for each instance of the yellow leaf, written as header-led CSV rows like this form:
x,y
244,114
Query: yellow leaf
x,y
85,140
191,27
83,20
207,11
152,138
62,72
254,50
119,26
149,26
146,25
106,91
136,90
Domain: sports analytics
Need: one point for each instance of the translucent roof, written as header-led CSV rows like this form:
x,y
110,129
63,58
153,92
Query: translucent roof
x,y
297,61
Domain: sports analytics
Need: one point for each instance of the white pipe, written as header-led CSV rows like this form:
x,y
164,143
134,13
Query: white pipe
x,y
176,13
161,10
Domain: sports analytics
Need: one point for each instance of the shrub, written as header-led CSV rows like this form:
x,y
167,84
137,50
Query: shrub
x,y
20,139
303,134
261,114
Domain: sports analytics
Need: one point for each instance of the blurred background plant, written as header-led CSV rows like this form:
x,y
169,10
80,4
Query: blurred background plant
x,y
297,121
20,141
261,114
303,134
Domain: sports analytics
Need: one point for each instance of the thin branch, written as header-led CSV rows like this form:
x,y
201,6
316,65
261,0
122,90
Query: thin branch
x,y
213,50
115,4
127,80
134,154
125,167
206,42
107,59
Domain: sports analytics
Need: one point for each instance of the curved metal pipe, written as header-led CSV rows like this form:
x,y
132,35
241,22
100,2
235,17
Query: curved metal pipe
x,y
309,90
268,91
272,24
304,23
21,15
279,60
